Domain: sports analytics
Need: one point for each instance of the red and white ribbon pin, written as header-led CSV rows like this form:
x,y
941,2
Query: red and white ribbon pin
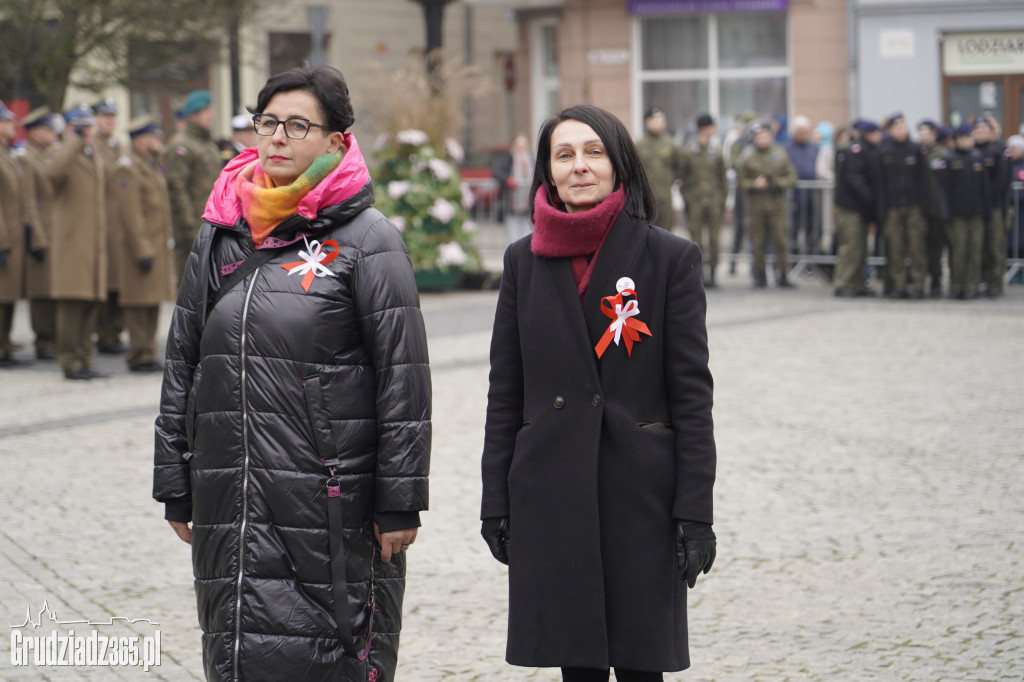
x,y
313,262
624,324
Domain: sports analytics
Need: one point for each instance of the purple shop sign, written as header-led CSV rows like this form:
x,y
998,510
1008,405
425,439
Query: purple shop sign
x,y
705,6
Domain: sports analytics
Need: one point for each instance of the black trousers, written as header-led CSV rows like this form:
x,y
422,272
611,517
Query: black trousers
x,y
621,675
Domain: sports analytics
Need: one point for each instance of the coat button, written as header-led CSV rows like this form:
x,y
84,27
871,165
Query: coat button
x,y
596,400
559,402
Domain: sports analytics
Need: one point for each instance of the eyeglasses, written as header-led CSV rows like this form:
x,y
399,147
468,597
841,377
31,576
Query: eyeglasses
x,y
294,128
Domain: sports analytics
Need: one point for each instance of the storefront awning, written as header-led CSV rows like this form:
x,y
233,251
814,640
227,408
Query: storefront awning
x,y
705,6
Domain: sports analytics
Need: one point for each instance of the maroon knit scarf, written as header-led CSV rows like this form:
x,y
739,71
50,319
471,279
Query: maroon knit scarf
x,y
579,236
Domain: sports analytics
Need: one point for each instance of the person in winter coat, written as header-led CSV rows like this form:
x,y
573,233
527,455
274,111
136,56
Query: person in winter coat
x,y
599,451
294,431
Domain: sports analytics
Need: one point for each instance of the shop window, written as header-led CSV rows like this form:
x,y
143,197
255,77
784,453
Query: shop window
x,y
675,43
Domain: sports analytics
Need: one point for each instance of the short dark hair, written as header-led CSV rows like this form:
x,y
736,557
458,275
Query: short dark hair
x,y
622,152
323,82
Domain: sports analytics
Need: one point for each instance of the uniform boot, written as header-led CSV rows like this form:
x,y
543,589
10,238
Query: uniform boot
x,y
784,282
760,280
710,283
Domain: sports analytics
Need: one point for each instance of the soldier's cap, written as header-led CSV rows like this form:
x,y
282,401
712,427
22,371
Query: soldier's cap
x,y
942,133
80,116
984,120
865,126
196,101
928,122
652,111
142,125
893,117
705,120
105,107
748,116
963,130
758,126
6,114
40,116
241,122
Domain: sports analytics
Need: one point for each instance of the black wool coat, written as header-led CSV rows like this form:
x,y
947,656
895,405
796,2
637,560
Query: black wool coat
x,y
593,459
277,382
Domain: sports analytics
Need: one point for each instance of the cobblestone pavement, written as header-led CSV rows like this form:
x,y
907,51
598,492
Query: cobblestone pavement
x,y
870,500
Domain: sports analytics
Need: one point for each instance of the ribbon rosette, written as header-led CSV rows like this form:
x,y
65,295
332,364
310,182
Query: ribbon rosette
x,y
313,262
624,324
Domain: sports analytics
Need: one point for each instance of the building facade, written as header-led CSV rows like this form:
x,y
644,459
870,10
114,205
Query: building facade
x,y
948,59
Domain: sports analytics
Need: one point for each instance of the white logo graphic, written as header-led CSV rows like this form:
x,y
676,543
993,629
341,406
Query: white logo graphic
x,y
92,649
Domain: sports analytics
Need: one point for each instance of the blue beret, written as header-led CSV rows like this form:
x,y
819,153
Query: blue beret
x,y
984,120
963,130
196,101
928,122
893,117
942,133
865,126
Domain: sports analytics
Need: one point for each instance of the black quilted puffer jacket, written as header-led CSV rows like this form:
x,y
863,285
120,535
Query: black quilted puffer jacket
x,y
279,402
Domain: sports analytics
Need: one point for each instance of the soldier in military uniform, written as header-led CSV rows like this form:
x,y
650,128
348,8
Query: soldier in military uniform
x,y
935,235
765,174
663,162
967,205
13,223
41,137
856,206
143,210
997,164
905,195
193,165
110,320
705,187
79,238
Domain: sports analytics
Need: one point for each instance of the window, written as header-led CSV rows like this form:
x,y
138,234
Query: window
x,y
546,83
723,64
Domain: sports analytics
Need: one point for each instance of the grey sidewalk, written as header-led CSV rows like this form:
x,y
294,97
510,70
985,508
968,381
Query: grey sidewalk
x,y
870,499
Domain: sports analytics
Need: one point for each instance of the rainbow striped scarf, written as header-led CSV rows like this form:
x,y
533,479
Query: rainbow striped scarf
x,y
265,206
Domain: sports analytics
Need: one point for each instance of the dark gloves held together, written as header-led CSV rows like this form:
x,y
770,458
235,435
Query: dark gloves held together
x,y
495,532
38,253
695,547
145,264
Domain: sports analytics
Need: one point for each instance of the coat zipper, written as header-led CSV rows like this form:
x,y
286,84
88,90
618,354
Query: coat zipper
x,y
245,486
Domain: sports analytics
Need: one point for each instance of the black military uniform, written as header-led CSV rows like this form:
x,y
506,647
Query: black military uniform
x,y
856,205
993,250
904,184
966,205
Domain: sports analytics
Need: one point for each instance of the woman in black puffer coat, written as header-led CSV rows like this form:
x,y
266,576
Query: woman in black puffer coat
x,y
294,427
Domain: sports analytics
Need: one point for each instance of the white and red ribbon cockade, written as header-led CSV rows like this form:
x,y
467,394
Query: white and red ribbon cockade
x,y
624,324
313,262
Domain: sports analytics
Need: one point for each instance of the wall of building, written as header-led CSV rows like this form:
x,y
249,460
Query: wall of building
x,y
899,51
819,58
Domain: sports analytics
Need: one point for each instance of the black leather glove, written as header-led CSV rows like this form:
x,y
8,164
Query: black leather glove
x,y
695,547
3,257
146,264
38,255
495,532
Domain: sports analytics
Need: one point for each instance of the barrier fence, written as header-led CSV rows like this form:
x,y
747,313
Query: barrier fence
x,y
811,228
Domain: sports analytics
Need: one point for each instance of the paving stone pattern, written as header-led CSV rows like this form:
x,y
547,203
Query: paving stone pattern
x,y
869,504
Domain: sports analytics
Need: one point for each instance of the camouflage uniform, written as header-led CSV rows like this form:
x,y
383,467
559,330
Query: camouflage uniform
x,y
663,161
193,164
705,187
766,208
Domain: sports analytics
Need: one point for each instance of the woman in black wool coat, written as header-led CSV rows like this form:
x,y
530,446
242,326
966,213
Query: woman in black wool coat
x,y
599,452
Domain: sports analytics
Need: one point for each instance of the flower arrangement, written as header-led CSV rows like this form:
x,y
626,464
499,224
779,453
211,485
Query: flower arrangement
x,y
418,110
419,189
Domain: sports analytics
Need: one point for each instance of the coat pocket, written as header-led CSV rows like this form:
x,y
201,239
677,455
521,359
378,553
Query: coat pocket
x,y
190,411
655,426
318,418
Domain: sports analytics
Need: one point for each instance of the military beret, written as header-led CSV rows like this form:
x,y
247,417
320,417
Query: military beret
x,y
984,120
963,130
865,126
143,125
653,111
37,117
241,122
6,114
942,133
80,116
928,122
196,101
893,117
106,107
705,120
